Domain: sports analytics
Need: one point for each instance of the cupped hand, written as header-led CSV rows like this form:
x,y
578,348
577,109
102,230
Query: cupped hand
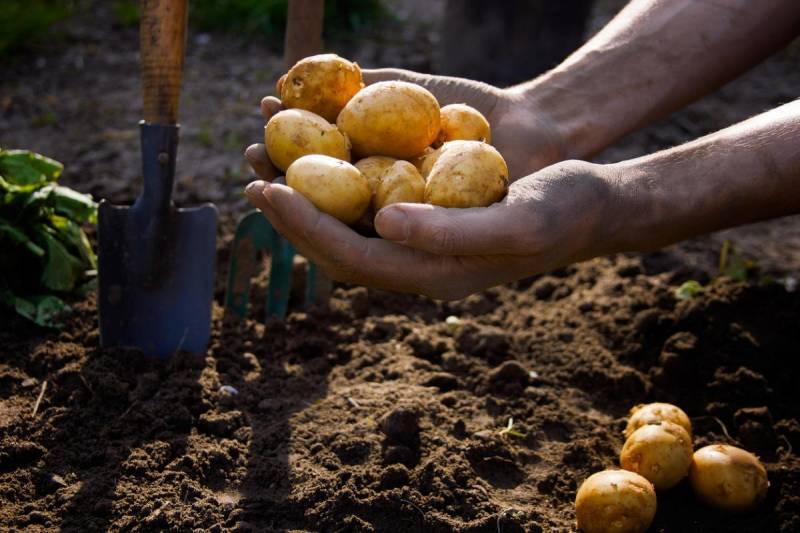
x,y
551,218
524,134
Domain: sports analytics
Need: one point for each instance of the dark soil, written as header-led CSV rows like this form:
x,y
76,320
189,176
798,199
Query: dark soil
x,y
374,414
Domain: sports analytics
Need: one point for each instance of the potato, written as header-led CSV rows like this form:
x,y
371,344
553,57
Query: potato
x,y
392,118
462,122
400,182
615,501
293,133
467,174
425,161
660,452
652,413
728,477
334,186
372,167
322,84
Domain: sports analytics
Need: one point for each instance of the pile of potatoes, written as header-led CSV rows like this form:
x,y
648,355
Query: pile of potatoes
x,y
404,147
656,456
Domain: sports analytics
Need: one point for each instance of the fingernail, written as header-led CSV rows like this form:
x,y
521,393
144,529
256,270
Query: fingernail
x,y
392,224
255,188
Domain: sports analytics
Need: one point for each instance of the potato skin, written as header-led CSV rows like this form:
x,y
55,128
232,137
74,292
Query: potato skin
x,y
322,84
391,118
293,133
615,501
656,412
659,452
372,167
334,186
728,478
463,122
400,182
424,161
467,174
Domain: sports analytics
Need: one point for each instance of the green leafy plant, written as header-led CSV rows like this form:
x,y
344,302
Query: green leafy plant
x,y
688,289
733,265
45,252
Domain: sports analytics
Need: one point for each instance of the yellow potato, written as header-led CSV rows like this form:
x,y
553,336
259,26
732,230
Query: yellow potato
x,y
660,452
425,160
293,133
322,84
615,501
372,167
400,182
652,413
335,187
462,122
392,118
728,477
467,174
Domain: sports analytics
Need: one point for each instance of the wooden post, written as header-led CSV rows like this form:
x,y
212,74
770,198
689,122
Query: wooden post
x,y
303,30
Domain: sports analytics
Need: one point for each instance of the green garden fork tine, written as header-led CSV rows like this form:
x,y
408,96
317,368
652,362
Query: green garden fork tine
x,y
253,234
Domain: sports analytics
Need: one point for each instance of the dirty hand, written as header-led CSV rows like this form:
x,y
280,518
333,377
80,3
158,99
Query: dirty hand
x,y
551,218
524,134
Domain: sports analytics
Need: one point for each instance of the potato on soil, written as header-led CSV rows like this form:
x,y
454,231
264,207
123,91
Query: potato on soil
x,y
335,187
372,167
728,477
615,501
322,84
293,133
400,182
391,118
467,174
462,122
652,413
660,452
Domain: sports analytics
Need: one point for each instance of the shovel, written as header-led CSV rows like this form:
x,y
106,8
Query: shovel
x,y
254,233
156,261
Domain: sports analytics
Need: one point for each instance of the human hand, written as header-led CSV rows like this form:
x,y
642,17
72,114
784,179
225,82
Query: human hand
x,y
554,217
523,134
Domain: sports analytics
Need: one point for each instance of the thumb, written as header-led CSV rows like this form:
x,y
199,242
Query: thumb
x,y
443,231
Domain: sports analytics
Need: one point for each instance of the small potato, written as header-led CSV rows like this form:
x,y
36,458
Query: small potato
x,y
462,122
372,167
425,161
728,477
653,413
467,174
615,501
322,84
335,187
660,452
293,133
400,182
392,118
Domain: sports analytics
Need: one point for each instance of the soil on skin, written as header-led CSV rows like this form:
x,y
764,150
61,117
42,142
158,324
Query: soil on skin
x,y
375,414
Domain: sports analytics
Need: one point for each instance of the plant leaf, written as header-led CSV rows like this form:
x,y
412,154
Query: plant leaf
x,y
43,310
74,205
62,270
689,289
26,171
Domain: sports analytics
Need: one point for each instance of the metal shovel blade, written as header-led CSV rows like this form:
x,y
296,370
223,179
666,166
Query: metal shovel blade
x,y
156,262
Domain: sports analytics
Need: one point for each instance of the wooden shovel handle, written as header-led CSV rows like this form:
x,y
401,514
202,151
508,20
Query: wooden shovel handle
x,y
162,41
303,30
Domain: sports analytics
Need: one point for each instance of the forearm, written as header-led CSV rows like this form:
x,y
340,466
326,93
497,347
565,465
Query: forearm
x,y
742,174
653,58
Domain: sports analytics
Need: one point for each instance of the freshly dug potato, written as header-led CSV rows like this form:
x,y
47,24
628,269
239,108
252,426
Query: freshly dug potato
x,y
728,477
400,182
425,161
293,133
653,413
467,174
334,186
322,84
660,452
615,501
372,167
392,118
462,122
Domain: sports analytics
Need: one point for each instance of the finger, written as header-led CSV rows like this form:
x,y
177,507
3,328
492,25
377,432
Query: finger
x,y
347,256
498,229
269,106
256,155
